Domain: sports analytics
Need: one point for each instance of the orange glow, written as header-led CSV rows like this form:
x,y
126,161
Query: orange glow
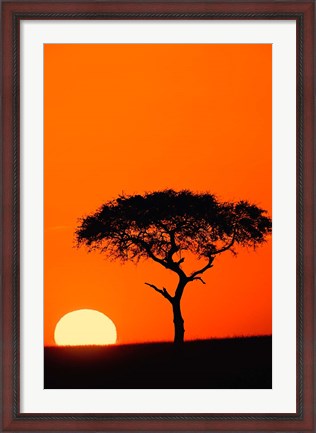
x,y
135,118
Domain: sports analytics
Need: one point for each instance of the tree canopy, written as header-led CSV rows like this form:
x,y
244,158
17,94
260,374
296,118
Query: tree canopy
x,y
159,224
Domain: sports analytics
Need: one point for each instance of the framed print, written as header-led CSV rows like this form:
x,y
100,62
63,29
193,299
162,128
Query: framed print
x,y
158,216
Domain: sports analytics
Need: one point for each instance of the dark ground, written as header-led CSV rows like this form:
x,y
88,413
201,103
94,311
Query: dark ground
x,y
237,363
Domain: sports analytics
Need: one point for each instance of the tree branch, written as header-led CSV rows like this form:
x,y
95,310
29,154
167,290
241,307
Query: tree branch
x,y
211,258
180,261
199,278
174,247
166,263
148,251
163,292
202,270
229,245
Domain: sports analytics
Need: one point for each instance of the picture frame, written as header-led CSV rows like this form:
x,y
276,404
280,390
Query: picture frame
x,y
13,13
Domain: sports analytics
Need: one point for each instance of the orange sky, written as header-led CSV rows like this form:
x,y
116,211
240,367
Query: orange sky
x,y
135,118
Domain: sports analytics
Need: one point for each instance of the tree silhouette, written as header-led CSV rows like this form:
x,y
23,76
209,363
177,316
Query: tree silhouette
x,y
163,225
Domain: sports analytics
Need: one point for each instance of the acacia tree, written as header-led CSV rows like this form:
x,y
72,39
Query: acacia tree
x,y
164,225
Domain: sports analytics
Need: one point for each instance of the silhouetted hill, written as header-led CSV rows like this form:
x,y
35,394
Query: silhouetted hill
x,y
237,363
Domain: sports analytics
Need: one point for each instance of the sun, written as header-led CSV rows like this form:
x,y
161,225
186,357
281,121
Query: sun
x,y
84,328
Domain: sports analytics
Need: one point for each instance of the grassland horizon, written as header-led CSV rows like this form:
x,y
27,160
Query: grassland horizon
x,y
138,343
236,363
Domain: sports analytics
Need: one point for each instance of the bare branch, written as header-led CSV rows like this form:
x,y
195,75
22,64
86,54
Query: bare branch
x,y
174,247
168,264
180,261
211,258
199,278
200,271
148,250
163,292
227,246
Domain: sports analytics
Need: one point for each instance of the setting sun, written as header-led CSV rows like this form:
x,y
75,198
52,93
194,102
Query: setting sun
x,y
85,327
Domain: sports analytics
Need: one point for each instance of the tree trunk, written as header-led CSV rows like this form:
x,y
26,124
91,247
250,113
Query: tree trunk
x,y
178,323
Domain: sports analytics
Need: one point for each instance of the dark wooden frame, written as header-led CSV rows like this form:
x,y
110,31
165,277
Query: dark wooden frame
x,y
12,13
